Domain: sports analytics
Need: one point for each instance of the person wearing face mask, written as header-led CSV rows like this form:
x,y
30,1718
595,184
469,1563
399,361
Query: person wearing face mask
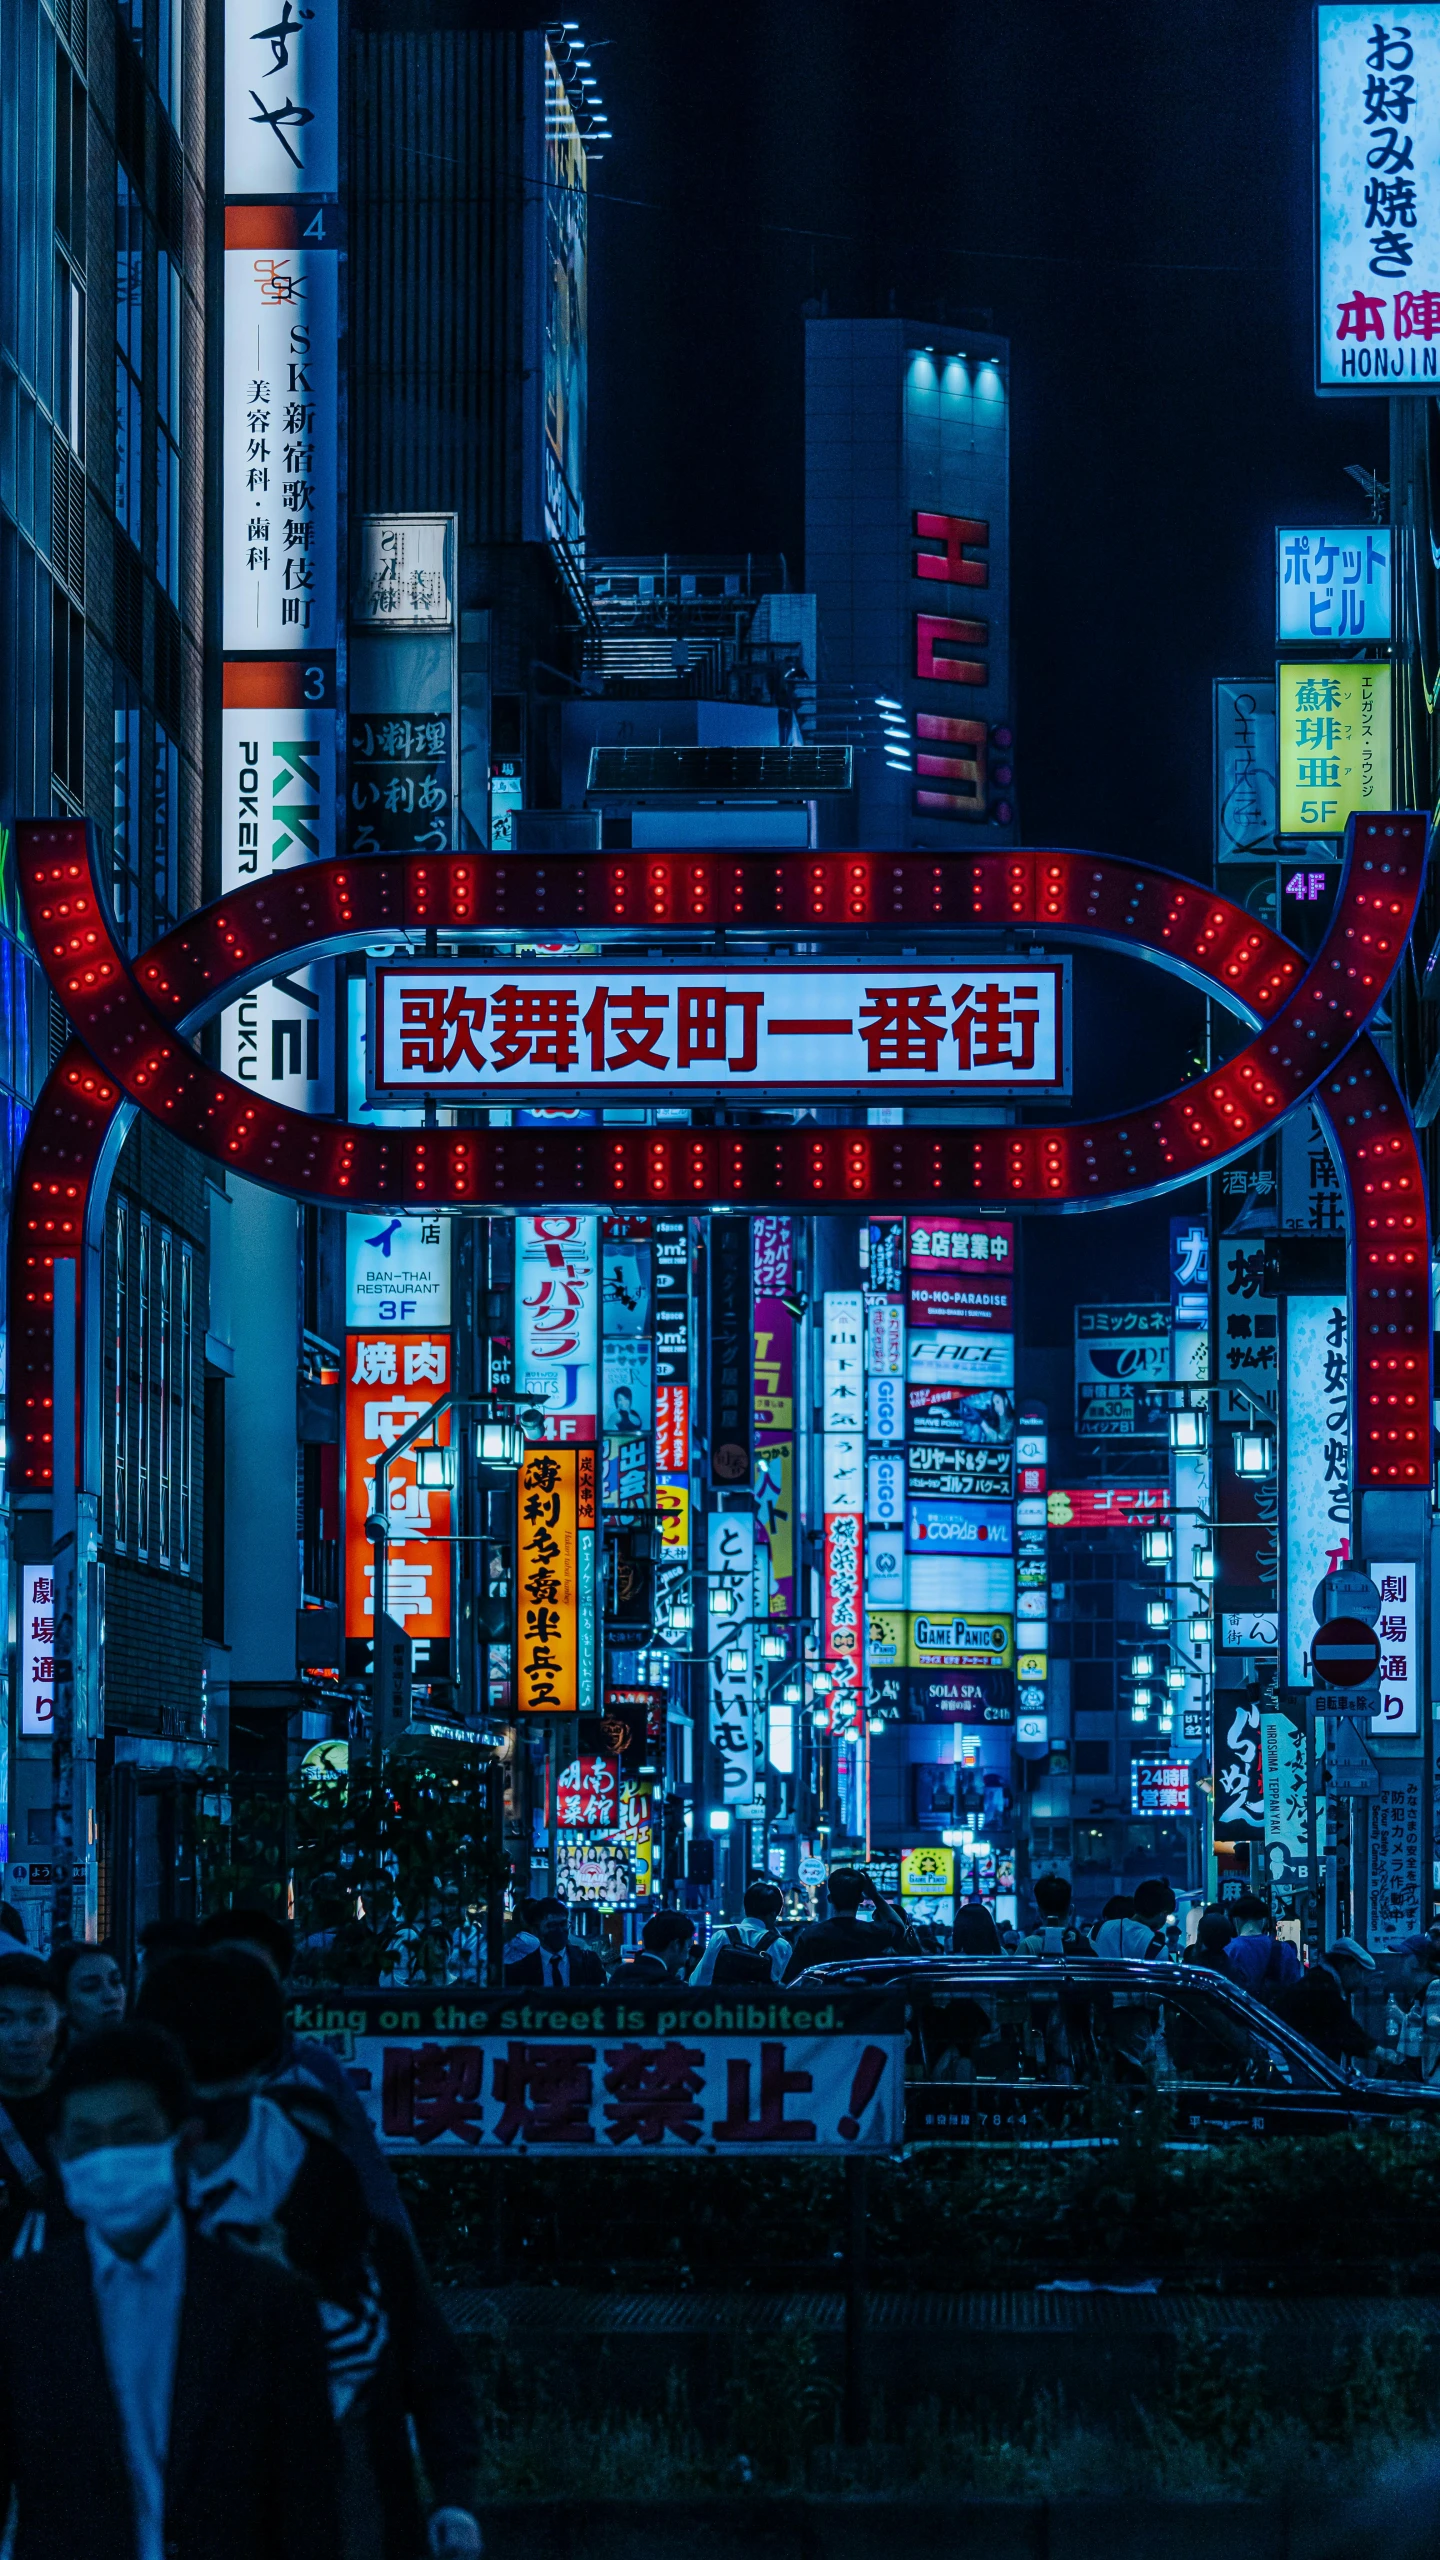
x,y
544,1953
89,1986
161,2397
264,2173
29,2027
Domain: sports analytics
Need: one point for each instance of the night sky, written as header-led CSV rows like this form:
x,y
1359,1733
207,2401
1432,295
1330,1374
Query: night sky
x,y
1124,191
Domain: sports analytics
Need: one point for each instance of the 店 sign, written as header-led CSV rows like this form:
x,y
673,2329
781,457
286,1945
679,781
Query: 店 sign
x,y
1333,585
390,1379
1378,227
555,1595
1333,727
443,2075
453,1029
397,1268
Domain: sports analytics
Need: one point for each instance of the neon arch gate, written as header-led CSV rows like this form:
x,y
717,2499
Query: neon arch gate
x,y
1309,1041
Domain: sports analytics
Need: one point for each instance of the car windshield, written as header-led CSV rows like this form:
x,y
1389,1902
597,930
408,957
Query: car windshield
x,y
1066,2033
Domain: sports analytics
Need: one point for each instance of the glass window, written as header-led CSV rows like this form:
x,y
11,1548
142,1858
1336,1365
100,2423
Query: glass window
x,y
129,270
167,830
167,515
170,20
125,860
68,406
167,315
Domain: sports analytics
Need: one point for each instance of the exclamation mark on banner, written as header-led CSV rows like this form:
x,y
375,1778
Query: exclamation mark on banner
x,y
862,2088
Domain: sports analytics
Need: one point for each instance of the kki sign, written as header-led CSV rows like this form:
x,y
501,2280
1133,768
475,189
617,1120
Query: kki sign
x,y
443,2075
459,1031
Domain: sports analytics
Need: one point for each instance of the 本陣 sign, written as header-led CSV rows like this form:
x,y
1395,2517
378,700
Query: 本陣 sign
x,y
1334,743
1378,229
555,1583
442,2075
452,1028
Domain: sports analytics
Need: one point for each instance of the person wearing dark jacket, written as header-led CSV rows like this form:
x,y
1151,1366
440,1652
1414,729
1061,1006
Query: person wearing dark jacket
x,y
161,2397
665,1943
265,2174
1319,2003
301,2061
1265,1964
29,2029
844,1938
546,1956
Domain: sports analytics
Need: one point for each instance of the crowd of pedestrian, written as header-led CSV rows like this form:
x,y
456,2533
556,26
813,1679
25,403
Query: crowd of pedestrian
x,y
217,2339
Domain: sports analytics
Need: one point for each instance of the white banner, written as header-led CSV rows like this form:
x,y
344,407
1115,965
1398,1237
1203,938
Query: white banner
x,y
37,1648
280,446
842,1360
1378,322
961,1359
1398,1628
444,2075
397,1269
282,97
657,1027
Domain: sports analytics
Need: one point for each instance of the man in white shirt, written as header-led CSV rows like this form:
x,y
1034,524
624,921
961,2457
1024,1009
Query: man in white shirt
x,y
162,2397
756,1935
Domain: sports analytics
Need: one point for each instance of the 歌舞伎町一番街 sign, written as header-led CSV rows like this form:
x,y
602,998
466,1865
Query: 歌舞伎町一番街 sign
x,y
452,1028
448,2074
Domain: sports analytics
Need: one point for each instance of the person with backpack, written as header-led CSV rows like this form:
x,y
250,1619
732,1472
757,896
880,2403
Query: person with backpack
x,y
845,1938
1141,1932
749,1950
1264,1964
1057,1934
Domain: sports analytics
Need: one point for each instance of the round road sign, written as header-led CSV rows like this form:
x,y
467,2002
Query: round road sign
x,y
1345,1652
1349,1593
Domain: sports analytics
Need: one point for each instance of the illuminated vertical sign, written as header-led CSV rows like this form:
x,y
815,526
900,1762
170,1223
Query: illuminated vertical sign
x,y
1398,1628
1316,1460
555,1583
37,1648
730,1351
282,99
1333,726
281,433
772,1273
730,1557
389,1381
1378,225
557,1321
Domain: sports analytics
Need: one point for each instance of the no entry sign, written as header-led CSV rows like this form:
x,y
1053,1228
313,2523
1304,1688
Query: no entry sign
x,y
1346,1652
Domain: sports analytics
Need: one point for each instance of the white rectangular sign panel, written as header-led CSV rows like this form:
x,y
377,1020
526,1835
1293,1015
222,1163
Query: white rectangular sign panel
x,y
842,1471
280,443
403,581
961,1359
282,98
1333,584
885,1492
277,809
730,1558
1398,1628
885,1408
557,1321
37,1648
1378,226
1316,1463
843,1360
657,1027
397,1269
